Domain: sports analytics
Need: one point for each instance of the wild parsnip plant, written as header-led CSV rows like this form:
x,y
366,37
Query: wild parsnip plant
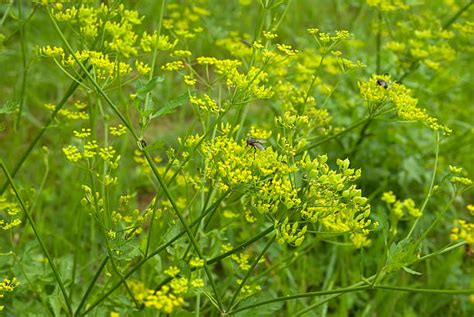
x,y
236,158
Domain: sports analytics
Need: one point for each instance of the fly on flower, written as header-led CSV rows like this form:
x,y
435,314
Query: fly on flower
x,y
258,144
382,83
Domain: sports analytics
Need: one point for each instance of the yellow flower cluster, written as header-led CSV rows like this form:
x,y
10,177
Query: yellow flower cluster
x,y
83,134
7,286
248,290
143,163
379,91
86,19
70,114
290,233
120,39
242,261
131,218
173,66
184,20
388,5
398,207
333,200
252,83
118,130
205,103
142,68
267,183
163,300
421,37
459,176
169,297
463,230
196,262
328,40
89,150
11,210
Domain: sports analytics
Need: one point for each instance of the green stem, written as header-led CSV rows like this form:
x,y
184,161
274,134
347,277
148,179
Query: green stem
x,y
40,241
322,301
457,15
24,63
312,146
427,290
378,43
249,272
430,190
241,246
441,251
360,139
155,51
91,285
349,289
177,212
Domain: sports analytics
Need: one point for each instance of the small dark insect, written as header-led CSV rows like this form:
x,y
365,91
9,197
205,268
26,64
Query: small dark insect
x,y
255,143
382,83
143,143
246,43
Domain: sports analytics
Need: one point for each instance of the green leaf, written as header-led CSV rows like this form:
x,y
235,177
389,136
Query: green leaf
x,y
144,89
55,300
9,106
171,105
401,254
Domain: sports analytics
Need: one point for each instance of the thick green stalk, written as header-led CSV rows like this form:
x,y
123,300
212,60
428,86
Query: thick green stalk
x,y
91,285
448,24
430,190
249,272
171,199
349,289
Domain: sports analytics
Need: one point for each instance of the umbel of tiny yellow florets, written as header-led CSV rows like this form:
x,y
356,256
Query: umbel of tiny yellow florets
x,y
265,179
463,230
7,286
252,83
459,177
388,5
11,210
381,92
398,207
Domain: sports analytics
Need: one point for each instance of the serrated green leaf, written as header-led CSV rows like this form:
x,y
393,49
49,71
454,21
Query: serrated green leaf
x,y
55,300
401,254
9,106
171,105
